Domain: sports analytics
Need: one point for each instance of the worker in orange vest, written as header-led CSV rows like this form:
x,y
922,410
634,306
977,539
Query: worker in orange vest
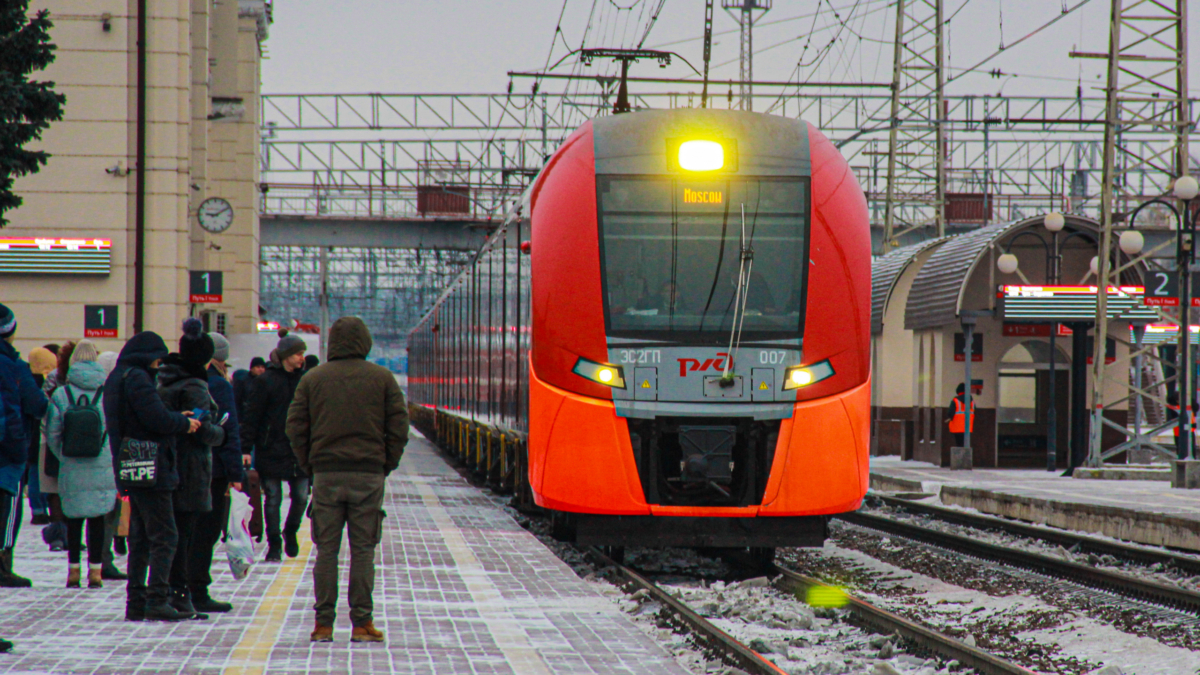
x,y
1173,414
956,415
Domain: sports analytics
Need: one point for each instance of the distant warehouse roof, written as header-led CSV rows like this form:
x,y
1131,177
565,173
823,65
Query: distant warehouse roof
x,y
886,271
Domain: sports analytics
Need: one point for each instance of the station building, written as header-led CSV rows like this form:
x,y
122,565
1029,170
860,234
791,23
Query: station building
x,y
73,243
920,296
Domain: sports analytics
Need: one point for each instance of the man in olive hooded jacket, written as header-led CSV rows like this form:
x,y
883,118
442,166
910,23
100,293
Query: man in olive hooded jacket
x,y
348,425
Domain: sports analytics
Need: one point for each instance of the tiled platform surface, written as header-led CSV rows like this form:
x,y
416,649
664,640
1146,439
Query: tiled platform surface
x,y
1149,512
460,588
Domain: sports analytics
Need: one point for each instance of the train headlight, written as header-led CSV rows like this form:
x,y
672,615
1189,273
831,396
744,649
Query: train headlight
x,y
701,156
802,376
600,373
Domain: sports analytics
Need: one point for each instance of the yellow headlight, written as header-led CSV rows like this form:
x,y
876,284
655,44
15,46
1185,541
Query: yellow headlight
x,y
701,155
801,377
604,375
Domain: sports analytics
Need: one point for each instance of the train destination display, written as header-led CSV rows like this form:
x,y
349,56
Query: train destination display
x,y
38,255
1033,304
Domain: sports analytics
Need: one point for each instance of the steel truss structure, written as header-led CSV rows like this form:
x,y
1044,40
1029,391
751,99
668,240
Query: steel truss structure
x,y
1027,154
916,155
1146,99
388,288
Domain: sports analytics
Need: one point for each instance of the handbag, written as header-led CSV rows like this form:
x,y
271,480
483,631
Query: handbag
x,y
137,460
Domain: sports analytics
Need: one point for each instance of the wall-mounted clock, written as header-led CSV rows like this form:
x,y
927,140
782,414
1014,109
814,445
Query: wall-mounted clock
x,y
215,215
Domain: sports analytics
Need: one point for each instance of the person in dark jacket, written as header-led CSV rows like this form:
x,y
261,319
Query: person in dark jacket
x,y
226,473
348,425
183,385
241,383
311,361
263,428
24,404
134,410
42,362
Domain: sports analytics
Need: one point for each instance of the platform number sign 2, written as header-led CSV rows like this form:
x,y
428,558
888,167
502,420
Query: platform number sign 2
x,y
1162,289
100,321
206,286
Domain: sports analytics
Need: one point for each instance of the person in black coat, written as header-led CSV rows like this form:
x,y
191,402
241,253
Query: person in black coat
x,y
241,384
263,429
227,472
183,385
134,410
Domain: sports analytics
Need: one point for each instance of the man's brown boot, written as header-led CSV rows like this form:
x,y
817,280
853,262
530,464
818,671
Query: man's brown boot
x,y
321,634
366,633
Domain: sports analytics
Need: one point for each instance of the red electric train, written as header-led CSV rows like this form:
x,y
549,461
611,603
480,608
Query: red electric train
x,y
667,341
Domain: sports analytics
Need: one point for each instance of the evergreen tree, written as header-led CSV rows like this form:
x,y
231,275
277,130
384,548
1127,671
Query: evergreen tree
x,y
26,107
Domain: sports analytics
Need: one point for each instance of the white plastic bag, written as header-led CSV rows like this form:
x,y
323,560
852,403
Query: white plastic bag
x,y
239,547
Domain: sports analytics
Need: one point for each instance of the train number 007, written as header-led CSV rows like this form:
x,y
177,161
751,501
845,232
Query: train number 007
x,y
641,356
772,357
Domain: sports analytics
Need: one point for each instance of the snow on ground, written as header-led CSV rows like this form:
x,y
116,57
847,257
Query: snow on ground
x,y
1067,642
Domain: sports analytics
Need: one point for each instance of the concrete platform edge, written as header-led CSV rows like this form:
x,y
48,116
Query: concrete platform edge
x,y
1134,525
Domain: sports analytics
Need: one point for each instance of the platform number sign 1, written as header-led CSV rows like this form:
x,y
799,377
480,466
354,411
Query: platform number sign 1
x,y
206,286
100,321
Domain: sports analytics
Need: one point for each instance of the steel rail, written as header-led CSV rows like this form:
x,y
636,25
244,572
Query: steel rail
x,y
911,632
732,651
1063,538
1120,584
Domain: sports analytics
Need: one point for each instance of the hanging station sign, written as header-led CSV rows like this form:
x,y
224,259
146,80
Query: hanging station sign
x,y
1162,333
206,286
100,321
1046,304
44,255
1033,330
1162,289
960,347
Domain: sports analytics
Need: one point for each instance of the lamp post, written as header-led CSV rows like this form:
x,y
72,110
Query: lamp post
x,y
1008,263
1185,190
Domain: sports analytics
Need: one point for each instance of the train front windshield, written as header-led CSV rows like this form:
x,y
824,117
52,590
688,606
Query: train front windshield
x,y
672,255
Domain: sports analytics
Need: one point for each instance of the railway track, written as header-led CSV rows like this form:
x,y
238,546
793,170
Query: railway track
x,y
712,639
1112,582
915,637
1068,540
913,634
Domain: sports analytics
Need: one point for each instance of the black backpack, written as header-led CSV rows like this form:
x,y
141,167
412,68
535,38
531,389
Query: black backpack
x,y
83,427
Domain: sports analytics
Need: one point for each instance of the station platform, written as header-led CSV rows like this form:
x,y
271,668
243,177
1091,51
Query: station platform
x,y
460,588
1142,511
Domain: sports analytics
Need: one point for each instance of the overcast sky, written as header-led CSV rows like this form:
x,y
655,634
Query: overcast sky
x,y
317,46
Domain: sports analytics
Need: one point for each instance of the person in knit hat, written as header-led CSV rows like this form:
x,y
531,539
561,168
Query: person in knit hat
x,y
263,430
183,386
23,405
226,473
86,486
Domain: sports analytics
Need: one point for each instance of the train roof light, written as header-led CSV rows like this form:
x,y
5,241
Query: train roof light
x,y
701,156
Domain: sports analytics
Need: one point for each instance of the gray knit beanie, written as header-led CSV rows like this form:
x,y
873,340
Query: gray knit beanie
x,y
221,345
289,345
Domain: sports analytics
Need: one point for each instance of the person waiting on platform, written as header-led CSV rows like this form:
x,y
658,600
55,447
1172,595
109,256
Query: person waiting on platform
x,y
262,429
1173,414
956,416
348,425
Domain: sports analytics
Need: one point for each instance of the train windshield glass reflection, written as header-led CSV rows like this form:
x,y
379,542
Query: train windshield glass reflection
x,y
671,255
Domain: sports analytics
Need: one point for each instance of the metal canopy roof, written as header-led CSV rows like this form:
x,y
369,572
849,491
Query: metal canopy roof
x,y
937,291
886,271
